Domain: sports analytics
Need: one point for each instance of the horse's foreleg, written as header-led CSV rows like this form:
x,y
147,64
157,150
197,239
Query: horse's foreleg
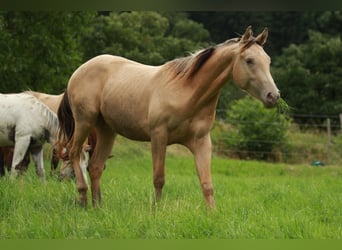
x,y
37,157
158,143
20,148
201,148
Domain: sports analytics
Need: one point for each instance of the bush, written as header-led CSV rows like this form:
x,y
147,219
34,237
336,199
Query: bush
x,y
256,132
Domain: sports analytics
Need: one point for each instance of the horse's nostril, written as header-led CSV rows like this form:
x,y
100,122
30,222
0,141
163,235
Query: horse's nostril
x,y
272,98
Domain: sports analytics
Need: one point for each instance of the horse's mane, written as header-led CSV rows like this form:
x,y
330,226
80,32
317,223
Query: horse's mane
x,y
191,64
194,62
52,120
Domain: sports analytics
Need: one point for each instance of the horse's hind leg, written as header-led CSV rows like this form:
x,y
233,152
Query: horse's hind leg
x,y
37,157
20,149
104,144
79,137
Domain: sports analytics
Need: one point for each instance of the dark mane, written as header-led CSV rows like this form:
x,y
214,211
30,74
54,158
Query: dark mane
x,y
193,63
200,60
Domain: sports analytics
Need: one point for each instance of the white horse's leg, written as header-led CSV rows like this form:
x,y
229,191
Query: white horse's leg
x,y
37,157
20,149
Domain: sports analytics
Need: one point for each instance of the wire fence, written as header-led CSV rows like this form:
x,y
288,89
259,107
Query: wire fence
x,y
319,142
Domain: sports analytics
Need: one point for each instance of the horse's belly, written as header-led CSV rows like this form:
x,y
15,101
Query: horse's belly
x,y
6,136
133,132
129,127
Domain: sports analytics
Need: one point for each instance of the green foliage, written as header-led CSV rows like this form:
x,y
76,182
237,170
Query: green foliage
x,y
309,75
147,37
39,50
256,129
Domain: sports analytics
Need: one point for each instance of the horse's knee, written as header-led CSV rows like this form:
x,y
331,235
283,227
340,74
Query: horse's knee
x,y
159,182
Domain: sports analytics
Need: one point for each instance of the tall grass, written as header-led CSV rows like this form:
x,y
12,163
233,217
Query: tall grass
x,y
254,200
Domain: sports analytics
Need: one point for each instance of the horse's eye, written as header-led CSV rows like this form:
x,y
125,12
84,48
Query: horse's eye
x,y
249,61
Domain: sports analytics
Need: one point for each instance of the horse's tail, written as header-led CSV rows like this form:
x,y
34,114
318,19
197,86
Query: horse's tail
x,y
66,125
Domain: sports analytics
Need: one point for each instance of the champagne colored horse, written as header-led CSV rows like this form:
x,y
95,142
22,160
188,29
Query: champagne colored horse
x,y
167,104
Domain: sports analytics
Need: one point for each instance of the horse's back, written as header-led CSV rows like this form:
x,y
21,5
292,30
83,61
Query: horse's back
x,y
24,114
116,87
103,69
51,101
20,104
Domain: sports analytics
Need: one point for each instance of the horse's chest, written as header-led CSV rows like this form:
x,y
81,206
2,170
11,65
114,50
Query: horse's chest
x,y
182,130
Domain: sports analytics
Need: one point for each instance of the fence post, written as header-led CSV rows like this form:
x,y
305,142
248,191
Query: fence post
x,y
329,140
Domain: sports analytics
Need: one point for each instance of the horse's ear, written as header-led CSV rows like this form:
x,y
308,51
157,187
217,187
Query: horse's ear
x,y
247,35
262,37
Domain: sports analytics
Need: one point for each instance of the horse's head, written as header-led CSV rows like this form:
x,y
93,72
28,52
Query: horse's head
x,y
251,70
67,170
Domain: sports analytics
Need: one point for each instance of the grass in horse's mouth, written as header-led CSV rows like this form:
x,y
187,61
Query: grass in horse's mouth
x,y
283,107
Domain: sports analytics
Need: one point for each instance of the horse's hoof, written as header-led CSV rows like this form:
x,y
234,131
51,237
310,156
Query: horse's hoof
x,y
81,203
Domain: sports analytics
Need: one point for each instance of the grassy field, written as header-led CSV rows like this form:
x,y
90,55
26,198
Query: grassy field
x,y
255,200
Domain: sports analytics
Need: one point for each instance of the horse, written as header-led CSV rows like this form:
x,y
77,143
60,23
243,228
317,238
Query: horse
x,y
173,103
26,123
6,156
51,101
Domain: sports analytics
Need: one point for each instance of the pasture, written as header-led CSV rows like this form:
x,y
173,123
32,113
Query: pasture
x,y
255,200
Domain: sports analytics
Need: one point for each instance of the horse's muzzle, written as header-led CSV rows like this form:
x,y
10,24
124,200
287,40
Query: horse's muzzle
x,y
271,99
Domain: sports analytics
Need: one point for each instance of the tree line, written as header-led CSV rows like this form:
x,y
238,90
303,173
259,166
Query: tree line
x,y
40,50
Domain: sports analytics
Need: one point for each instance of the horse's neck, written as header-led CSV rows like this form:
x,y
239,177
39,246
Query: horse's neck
x,y
213,75
51,120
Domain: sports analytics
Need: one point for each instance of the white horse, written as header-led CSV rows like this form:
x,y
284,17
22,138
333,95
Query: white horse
x,y
26,123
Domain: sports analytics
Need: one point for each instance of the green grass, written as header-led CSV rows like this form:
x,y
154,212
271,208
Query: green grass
x,y
254,200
